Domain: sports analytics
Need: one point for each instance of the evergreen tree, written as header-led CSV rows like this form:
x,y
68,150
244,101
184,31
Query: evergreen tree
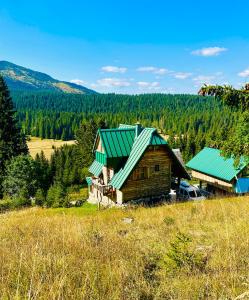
x,y
21,178
12,142
237,141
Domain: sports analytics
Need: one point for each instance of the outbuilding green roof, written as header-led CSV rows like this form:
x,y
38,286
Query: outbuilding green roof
x,y
210,162
117,142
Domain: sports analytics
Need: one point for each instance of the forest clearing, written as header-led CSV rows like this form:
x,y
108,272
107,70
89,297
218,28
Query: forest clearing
x,y
36,145
194,250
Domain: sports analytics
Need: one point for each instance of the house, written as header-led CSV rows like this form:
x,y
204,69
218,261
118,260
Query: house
x,y
220,174
132,162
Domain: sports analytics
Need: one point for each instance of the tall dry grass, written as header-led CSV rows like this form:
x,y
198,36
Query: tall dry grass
x,y
45,255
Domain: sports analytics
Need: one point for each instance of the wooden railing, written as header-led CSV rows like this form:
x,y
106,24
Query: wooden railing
x,y
103,188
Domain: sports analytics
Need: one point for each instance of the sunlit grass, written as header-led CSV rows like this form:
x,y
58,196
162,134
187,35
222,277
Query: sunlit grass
x,y
83,253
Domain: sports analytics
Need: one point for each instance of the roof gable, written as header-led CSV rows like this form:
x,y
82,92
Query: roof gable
x,y
117,142
209,161
148,136
140,145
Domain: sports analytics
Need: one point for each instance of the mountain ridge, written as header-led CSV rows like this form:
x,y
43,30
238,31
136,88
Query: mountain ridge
x,y
19,78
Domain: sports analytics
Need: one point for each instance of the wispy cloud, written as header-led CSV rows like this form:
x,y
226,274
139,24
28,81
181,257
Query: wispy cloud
x,y
114,69
154,70
146,84
113,82
201,79
244,73
209,51
78,81
182,75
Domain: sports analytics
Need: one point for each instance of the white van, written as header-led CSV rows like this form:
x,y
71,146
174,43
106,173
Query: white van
x,y
190,192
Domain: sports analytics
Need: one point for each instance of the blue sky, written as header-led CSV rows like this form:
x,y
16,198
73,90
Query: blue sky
x,y
138,46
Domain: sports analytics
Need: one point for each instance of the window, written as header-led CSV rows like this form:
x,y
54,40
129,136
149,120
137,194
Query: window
x,y
157,168
141,173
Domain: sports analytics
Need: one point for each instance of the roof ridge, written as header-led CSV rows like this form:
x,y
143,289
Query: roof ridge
x,y
116,129
136,153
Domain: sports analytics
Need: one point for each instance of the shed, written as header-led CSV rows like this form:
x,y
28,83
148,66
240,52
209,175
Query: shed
x,y
219,173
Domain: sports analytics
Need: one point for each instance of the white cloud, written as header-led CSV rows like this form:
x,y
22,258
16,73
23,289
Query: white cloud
x,y
182,75
201,79
113,82
210,51
78,81
150,85
244,73
154,70
114,69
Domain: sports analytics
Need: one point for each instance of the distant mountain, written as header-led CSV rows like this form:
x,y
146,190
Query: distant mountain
x,y
22,79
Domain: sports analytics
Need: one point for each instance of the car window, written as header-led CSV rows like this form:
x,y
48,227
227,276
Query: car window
x,y
192,194
198,193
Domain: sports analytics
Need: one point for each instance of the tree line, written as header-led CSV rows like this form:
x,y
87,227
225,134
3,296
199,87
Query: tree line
x,y
190,121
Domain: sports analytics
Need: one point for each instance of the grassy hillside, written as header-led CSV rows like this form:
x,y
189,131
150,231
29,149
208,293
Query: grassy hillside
x,y
196,250
19,78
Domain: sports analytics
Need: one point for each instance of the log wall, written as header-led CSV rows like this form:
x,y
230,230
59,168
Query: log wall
x,y
157,183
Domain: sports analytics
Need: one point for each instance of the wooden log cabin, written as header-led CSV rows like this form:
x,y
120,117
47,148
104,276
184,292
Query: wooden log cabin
x,y
220,174
131,163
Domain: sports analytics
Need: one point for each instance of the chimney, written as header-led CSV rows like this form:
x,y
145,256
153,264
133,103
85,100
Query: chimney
x,y
138,129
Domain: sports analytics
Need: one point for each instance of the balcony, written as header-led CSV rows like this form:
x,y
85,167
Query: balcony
x,y
102,188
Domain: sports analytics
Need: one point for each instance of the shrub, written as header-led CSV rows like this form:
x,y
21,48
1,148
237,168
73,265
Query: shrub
x,y
20,180
5,205
182,254
56,195
40,198
169,221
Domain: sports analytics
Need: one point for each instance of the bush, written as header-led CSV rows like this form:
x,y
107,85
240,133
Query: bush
x,y
20,180
5,204
182,254
21,202
169,221
74,189
40,198
56,196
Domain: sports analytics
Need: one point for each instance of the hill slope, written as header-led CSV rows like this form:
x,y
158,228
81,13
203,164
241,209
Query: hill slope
x,y
20,78
194,250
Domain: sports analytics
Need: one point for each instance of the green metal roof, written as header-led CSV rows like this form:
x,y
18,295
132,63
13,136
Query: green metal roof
x,y
158,140
117,142
210,162
96,168
140,144
89,180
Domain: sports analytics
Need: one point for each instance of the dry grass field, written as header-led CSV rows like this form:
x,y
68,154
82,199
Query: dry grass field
x,y
194,250
36,145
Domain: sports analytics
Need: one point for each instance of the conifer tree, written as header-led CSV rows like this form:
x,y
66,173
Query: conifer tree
x,y
12,142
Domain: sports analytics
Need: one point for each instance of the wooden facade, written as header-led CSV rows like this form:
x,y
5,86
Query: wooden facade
x,y
212,181
151,177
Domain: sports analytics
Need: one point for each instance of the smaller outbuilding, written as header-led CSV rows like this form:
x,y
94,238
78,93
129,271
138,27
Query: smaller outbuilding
x,y
220,174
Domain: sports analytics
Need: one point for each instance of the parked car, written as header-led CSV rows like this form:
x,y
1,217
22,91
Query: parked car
x,y
190,192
